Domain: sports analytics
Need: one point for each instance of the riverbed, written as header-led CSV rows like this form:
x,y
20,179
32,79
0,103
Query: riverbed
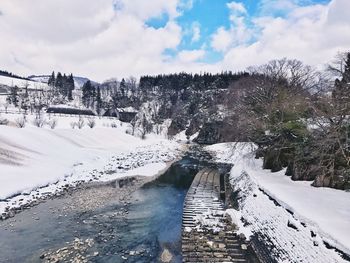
x,y
130,220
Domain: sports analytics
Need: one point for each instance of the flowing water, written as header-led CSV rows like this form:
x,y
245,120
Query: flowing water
x,y
138,231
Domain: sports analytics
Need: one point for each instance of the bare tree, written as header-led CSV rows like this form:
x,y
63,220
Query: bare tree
x,y
91,123
39,121
298,76
20,122
52,123
80,123
6,105
133,125
268,107
337,66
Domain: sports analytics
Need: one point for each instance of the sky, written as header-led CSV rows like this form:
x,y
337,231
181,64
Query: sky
x,y
103,39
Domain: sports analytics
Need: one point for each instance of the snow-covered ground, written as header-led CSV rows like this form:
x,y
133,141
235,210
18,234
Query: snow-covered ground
x,y
293,217
36,161
8,81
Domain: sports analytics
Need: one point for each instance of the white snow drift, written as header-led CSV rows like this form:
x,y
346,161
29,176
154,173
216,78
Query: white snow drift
x,y
34,161
301,208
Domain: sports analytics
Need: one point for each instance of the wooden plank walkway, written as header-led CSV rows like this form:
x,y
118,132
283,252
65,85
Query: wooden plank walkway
x,y
207,236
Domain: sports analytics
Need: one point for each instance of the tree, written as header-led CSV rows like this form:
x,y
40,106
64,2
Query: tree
x,y
342,87
269,106
325,157
122,88
13,98
337,66
98,101
58,84
70,88
52,80
88,94
132,85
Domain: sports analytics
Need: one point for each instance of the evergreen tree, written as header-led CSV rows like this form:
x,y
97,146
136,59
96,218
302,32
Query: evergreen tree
x,y
65,86
88,93
52,80
122,87
70,87
341,93
59,83
98,101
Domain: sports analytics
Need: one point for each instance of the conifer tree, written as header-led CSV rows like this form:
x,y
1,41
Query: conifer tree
x,y
59,82
98,100
52,80
88,93
70,86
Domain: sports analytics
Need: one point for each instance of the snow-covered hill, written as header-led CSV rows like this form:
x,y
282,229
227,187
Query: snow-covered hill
x,y
31,84
36,161
78,81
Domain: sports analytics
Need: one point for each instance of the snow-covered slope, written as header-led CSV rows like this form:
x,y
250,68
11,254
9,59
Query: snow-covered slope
x,y
78,81
8,81
41,78
33,157
285,211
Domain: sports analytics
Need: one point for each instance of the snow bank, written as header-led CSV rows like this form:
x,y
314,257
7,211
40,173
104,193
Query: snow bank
x,y
181,137
324,211
34,161
21,83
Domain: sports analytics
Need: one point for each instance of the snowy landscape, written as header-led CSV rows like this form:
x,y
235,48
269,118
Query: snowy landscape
x,y
175,131
38,161
271,201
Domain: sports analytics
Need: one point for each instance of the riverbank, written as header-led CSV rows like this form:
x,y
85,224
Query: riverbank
x,y
111,221
296,219
84,199
54,162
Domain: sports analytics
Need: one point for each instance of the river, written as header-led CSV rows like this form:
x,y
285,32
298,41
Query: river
x,y
96,225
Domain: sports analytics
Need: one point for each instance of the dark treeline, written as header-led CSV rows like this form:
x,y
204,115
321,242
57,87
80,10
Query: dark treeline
x,y
63,84
9,74
196,81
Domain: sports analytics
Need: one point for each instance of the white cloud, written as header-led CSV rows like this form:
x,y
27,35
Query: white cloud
x,y
191,55
270,7
237,7
196,32
92,38
89,38
313,34
221,40
148,9
237,34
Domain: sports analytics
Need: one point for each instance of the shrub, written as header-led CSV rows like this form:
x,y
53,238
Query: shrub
x,y
52,123
39,121
20,122
91,123
80,123
3,121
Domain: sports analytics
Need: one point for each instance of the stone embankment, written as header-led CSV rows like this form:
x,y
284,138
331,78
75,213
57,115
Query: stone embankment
x,y
208,236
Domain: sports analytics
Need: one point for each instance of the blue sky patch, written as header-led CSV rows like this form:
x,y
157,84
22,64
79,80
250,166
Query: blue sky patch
x,y
210,15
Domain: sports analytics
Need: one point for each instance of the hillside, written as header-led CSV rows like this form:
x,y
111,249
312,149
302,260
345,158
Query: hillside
x,y
41,160
78,81
22,83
